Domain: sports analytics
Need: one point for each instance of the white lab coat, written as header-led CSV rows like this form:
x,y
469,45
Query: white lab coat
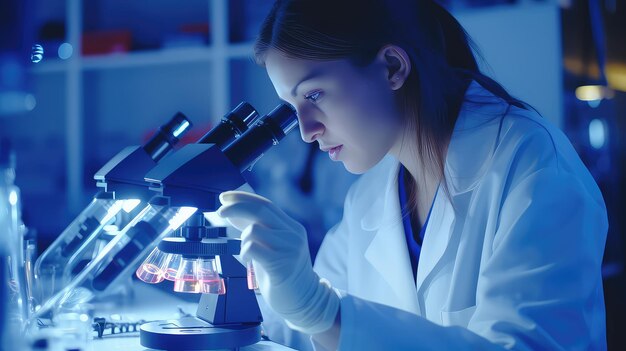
x,y
516,263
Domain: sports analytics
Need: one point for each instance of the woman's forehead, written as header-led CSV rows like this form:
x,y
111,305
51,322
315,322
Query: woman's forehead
x,y
278,61
291,71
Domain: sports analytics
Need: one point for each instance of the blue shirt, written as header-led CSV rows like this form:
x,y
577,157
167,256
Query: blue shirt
x,y
413,243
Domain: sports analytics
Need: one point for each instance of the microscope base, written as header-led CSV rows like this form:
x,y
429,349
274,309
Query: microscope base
x,y
192,333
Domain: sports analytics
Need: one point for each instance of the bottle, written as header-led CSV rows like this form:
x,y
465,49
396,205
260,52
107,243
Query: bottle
x,y
7,324
15,302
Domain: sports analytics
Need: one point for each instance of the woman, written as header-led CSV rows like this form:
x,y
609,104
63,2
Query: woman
x,y
474,226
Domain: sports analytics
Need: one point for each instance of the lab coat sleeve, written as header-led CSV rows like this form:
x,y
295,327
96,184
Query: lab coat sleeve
x,y
366,325
538,288
541,288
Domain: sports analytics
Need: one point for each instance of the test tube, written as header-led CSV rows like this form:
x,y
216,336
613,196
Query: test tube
x,y
251,275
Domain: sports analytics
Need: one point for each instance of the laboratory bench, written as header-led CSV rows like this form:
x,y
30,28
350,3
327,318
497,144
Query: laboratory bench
x,y
148,303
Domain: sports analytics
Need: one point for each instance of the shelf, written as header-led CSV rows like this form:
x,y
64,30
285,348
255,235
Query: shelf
x,y
213,60
149,58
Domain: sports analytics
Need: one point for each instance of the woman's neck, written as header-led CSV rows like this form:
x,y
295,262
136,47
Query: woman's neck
x,y
423,175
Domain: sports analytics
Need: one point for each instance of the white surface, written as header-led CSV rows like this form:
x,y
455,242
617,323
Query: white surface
x,y
131,343
151,303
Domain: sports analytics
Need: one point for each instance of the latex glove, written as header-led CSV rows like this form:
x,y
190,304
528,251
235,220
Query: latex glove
x,y
277,245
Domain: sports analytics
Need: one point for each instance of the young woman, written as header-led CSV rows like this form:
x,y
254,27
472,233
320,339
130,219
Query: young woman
x,y
474,226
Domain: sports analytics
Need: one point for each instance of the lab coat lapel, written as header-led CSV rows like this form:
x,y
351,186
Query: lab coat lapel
x,y
475,132
387,252
436,238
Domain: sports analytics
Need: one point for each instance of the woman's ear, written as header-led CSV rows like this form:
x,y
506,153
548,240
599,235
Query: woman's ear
x,y
397,63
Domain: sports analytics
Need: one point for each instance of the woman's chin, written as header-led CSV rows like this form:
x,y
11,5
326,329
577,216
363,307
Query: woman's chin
x,y
357,168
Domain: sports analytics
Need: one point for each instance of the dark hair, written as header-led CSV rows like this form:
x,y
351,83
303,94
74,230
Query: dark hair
x,y
442,59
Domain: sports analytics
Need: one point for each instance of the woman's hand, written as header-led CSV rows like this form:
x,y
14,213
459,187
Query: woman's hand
x,y
277,245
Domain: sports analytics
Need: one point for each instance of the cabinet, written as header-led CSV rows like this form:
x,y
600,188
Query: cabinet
x,y
90,106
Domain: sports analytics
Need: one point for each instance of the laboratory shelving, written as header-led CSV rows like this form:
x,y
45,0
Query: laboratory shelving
x,y
220,55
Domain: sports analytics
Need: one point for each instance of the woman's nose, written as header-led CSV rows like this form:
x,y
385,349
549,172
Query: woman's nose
x,y
310,127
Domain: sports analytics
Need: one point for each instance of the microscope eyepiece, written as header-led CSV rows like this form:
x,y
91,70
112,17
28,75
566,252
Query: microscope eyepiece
x,y
267,131
167,136
232,125
284,117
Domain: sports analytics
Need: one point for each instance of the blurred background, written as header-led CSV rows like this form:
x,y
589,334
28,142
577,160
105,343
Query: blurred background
x,y
80,80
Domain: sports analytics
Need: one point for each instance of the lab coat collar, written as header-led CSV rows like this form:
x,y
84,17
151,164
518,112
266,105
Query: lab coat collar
x,y
474,139
481,109
388,252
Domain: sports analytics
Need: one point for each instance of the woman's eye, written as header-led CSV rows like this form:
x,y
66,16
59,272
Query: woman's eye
x,y
314,96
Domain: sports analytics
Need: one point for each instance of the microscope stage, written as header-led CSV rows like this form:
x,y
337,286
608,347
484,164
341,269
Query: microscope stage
x,y
191,333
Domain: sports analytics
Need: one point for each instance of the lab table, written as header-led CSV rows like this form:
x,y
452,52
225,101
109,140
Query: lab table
x,y
151,303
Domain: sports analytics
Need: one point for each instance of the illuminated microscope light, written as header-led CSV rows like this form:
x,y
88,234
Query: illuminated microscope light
x,y
183,214
157,265
192,260
199,275
171,269
196,275
119,205
152,270
190,275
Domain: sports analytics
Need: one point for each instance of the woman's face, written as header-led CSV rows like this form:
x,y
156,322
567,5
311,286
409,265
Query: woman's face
x,y
350,111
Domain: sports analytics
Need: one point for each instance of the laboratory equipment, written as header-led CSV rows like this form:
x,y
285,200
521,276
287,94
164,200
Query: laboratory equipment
x,y
192,179
119,258
228,315
124,189
15,306
201,259
12,230
5,323
54,267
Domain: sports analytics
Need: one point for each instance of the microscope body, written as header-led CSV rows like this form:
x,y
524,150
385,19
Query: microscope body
x,y
195,176
237,305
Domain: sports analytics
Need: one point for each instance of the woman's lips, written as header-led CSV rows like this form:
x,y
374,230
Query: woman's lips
x,y
334,152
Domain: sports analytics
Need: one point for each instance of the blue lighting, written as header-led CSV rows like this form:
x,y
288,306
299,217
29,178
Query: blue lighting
x,y
65,51
597,133
181,129
594,103
37,53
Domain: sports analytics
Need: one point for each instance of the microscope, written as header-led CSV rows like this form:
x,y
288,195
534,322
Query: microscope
x,y
201,258
187,185
124,187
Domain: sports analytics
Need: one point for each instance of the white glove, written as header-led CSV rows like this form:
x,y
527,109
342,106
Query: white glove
x,y
277,246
